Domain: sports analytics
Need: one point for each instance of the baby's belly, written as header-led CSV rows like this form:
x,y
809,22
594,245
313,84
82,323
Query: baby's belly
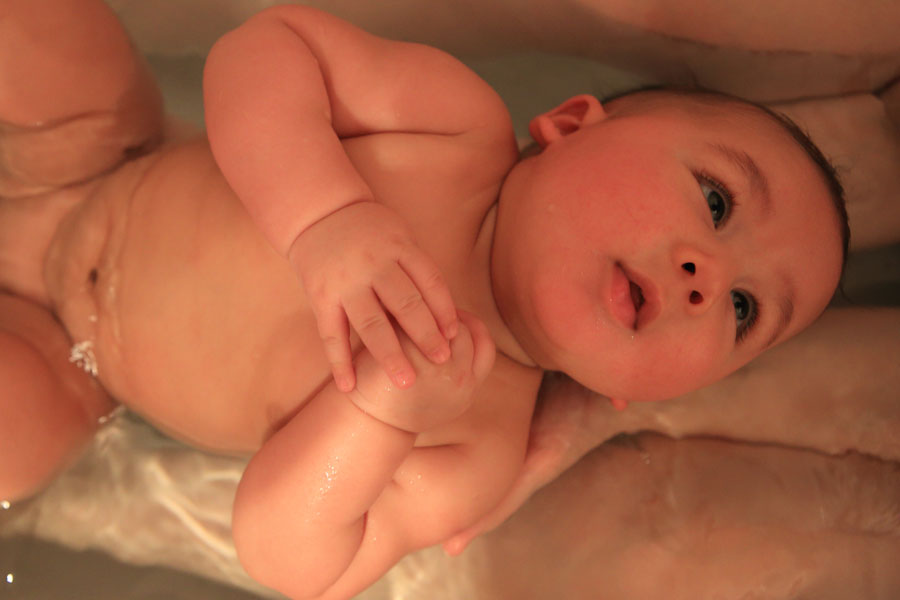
x,y
201,327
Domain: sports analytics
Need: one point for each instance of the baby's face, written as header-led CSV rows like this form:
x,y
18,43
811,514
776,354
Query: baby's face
x,y
652,253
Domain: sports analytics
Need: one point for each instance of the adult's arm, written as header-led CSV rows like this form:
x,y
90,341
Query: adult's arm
x,y
845,400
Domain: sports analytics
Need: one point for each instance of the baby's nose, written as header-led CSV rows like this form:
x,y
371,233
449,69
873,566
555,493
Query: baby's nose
x,y
702,284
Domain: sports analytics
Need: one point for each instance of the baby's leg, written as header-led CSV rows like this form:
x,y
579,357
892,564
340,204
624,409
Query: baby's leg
x,y
860,134
75,99
50,408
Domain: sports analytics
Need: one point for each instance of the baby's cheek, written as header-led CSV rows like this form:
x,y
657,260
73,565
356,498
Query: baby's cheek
x,y
566,315
674,365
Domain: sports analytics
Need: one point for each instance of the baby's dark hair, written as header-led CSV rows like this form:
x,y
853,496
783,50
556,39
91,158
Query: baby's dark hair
x,y
826,169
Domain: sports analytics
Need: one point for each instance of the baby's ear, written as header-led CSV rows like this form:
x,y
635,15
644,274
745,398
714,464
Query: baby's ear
x,y
570,116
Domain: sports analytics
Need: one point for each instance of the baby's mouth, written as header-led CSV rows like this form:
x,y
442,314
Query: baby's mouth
x,y
637,297
643,295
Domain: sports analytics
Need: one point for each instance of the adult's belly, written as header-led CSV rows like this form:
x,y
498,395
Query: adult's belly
x,y
216,343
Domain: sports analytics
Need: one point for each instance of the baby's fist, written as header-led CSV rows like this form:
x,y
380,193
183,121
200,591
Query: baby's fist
x,y
441,393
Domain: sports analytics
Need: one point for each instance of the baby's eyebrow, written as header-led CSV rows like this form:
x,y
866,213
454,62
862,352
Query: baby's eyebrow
x,y
758,182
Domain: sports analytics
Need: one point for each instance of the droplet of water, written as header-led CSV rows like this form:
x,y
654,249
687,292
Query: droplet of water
x,y
4,504
9,578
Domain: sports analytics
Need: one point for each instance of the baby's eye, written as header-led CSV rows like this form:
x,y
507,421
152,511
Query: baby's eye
x,y
717,198
746,312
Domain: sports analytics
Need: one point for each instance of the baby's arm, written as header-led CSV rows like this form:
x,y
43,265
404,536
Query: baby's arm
x,y
281,92
49,407
338,495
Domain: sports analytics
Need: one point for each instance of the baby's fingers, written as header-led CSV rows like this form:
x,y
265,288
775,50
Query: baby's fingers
x,y
335,334
376,331
482,344
431,285
402,299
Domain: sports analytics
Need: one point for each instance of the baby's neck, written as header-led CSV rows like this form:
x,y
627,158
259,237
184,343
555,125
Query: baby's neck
x,y
479,294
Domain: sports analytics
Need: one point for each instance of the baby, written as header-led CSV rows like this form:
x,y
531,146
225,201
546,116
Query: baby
x,y
653,245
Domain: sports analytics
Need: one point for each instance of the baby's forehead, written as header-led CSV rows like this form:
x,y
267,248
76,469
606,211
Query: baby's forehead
x,y
702,108
720,115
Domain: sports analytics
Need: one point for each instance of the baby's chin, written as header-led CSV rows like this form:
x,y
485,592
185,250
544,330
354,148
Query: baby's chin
x,y
660,391
622,394
648,375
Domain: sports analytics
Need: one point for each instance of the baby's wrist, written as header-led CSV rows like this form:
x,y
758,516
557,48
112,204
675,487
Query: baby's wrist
x,y
336,211
375,394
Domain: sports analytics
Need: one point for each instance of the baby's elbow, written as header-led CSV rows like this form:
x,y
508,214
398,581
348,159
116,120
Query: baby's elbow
x,y
267,562
249,538
276,550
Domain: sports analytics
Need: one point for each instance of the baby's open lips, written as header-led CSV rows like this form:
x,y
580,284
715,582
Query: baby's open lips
x,y
637,298
644,297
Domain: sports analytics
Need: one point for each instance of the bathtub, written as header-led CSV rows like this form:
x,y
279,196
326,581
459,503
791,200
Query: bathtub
x,y
141,516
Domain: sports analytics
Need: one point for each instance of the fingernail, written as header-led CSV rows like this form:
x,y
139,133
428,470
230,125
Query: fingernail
x,y
451,330
344,383
442,354
402,379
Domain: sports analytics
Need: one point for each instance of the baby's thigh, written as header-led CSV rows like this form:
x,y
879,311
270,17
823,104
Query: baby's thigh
x,y
50,407
75,99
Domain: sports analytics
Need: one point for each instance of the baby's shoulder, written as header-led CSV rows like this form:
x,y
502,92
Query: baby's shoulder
x,y
443,186
479,156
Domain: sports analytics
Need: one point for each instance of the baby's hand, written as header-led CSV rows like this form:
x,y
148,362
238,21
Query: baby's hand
x,y
442,392
355,265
